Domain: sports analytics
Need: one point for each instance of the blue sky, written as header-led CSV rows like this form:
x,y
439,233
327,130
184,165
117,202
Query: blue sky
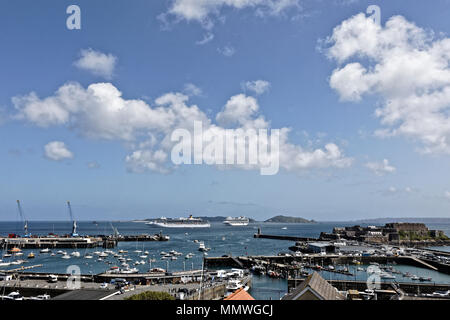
x,y
150,49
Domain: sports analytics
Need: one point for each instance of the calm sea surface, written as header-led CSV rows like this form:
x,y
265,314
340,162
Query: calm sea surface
x,y
220,238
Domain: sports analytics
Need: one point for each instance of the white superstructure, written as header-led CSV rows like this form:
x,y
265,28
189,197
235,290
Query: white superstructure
x,y
236,222
190,222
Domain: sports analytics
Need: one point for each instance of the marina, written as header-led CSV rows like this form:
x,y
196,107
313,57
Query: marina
x,y
155,263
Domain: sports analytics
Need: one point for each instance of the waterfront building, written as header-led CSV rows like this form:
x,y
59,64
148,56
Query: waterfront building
x,y
320,247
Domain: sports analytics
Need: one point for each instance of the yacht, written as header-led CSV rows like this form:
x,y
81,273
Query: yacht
x,y
75,254
65,256
202,247
236,222
46,250
189,222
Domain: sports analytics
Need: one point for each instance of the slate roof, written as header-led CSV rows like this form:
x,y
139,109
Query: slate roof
x,y
319,286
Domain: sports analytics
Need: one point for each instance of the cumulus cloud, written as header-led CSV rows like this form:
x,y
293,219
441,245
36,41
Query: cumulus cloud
x,y
96,62
241,109
257,86
148,160
57,151
381,168
206,11
100,112
405,66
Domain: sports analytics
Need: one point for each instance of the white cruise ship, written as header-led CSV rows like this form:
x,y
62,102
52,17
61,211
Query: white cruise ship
x,y
236,222
190,222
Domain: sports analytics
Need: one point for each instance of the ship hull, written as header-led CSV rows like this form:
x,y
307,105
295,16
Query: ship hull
x,y
181,225
236,224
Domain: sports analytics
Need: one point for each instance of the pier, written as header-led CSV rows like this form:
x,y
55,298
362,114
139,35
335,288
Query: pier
x,y
186,285
289,262
69,242
57,242
259,235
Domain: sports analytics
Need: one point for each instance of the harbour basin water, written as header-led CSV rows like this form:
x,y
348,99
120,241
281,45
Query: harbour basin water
x,y
222,239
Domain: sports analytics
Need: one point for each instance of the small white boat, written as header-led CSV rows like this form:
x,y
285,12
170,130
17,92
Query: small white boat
x,y
45,250
88,256
15,295
65,256
75,254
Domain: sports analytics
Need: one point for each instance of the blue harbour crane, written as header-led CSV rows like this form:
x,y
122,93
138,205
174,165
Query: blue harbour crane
x,y
74,223
22,218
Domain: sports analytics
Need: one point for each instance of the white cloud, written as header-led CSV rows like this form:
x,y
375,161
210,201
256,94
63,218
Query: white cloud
x,y
192,90
447,194
100,112
404,65
57,151
147,160
227,51
257,86
97,112
205,11
381,168
208,37
241,110
96,62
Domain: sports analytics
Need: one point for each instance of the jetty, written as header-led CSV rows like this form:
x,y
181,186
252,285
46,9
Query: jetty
x,y
289,262
56,242
259,235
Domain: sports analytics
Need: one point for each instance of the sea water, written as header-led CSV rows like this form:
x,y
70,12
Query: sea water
x,y
222,239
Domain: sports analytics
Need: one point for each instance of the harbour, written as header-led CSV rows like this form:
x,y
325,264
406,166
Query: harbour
x,y
228,247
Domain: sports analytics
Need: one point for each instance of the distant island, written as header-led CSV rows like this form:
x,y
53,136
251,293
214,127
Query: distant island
x,y
285,219
432,220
